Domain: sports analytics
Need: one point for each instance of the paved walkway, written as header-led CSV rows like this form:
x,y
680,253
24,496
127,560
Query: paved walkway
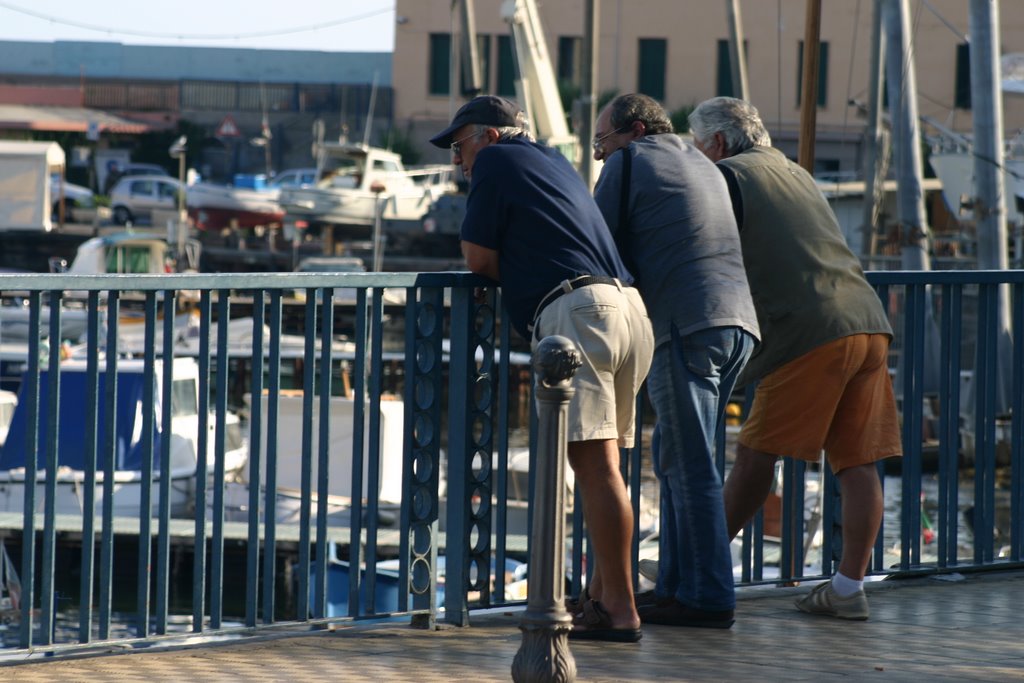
x,y
936,630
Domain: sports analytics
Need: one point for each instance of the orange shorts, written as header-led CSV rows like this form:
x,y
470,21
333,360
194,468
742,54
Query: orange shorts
x,y
837,397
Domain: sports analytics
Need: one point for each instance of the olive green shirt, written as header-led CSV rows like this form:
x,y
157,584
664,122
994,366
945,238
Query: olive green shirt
x,y
808,286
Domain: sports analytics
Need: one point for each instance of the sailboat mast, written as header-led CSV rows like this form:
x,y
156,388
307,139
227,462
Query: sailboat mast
x,y
809,87
902,83
989,183
987,110
876,157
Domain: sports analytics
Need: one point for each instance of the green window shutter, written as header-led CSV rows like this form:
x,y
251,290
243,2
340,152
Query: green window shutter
x,y
653,54
724,77
569,57
962,89
822,74
440,63
506,67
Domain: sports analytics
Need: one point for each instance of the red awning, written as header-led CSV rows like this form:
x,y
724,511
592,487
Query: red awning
x,y
68,119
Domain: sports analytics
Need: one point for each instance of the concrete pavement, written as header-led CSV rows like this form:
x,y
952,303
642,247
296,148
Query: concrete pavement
x,y
955,628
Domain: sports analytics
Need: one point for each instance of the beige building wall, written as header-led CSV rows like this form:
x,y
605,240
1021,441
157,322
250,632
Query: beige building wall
x,y
693,28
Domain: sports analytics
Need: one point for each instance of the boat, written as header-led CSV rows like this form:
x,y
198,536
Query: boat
x,y
10,589
953,162
290,422
8,402
248,203
71,440
952,156
15,319
120,253
352,178
387,584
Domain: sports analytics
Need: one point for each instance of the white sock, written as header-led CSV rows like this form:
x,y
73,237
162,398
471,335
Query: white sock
x,y
845,586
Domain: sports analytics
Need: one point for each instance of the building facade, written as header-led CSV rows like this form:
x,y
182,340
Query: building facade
x,y
677,51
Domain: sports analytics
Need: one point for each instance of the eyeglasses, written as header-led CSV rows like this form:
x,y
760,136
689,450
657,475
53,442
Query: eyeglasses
x,y
457,145
598,142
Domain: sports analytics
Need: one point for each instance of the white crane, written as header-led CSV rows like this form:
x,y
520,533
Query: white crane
x,y
536,87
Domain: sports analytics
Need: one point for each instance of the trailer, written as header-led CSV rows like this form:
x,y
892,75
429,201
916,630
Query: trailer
x,y
25,168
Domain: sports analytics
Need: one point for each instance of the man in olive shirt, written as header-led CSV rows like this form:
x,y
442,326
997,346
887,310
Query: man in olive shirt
x,y
822,363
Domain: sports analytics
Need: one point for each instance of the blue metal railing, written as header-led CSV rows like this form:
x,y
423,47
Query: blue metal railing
x,y
448,355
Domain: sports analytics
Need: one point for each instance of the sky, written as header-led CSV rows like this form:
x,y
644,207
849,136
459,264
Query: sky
x,y
339,26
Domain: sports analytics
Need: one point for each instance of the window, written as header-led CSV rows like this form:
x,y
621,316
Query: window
x,y
724,77
962,88
167,191
385,165
653,53
570,53
822,74
440,64
128,259
183,398
506,67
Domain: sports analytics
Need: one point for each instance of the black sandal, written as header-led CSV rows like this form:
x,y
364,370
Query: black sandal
x,y
594,623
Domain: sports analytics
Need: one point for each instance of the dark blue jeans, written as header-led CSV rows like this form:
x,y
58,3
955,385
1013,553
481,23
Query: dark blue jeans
x,y
690,382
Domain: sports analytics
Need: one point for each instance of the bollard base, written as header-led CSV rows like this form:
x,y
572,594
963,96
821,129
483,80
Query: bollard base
x,y
544,655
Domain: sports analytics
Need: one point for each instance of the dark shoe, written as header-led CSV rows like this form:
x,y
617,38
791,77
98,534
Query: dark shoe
x,y
594,623
671,612
647,599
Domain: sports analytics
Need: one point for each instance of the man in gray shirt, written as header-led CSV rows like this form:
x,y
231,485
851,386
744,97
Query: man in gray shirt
x,y
669,209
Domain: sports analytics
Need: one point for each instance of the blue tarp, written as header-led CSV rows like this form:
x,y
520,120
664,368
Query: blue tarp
x,y
71,442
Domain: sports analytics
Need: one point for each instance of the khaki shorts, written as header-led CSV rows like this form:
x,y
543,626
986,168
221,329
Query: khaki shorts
x,y
610,327
837,397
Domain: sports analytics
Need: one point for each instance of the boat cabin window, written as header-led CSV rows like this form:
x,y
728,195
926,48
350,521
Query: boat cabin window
x,y
184,398
340,172
385,165
129,260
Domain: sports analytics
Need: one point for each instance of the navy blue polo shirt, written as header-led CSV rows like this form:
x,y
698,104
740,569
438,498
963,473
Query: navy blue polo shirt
x,y
527,202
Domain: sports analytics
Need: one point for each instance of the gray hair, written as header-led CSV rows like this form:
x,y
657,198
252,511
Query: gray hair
x,y
513,132
625,109
508,132
737,120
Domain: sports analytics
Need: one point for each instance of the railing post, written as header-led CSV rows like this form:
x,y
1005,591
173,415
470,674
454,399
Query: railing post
x,y
544,654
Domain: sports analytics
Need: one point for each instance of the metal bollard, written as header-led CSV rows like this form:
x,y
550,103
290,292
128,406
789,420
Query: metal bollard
x,y
544,654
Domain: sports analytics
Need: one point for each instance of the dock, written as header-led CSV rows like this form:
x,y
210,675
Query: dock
x,y
182,532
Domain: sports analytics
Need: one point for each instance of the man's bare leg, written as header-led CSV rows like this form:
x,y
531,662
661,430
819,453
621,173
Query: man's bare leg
x,y
747,487
609,519
861,495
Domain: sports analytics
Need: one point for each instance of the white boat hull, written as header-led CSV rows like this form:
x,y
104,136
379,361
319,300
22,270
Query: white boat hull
x,y
956,171
358,207
70,494
213,207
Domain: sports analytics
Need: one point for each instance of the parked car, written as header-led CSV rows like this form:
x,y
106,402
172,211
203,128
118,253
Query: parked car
x,y
134,198
294,177
132,169
79,201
